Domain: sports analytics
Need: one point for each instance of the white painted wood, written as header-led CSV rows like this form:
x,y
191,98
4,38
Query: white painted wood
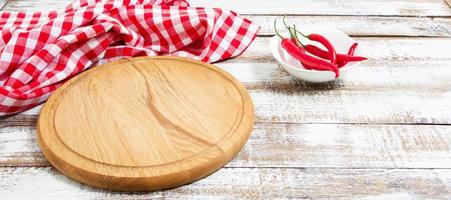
x,y
395,106
245,183
280,7
333,7
380,48
402,74
376,92
36,5
363,26
296,145
19,147
354,25
33,111
395,91
3,3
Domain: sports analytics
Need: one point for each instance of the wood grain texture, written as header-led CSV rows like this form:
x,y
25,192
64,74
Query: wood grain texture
x,y
448,2
245,183
333,7
3,3
145,123
307,7
364,26
353,25
378,91
295,145
35,5
376,48
375,92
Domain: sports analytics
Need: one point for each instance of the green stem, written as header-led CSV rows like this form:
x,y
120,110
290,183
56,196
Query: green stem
x,y
286,26
275,28
306,36
296,36
285,23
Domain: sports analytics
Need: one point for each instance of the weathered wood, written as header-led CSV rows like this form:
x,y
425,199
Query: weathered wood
x,y
3,3
333,7
448,2
308,7
296,145
380,48
444,22
35,5
409,75
353,25
380,101
356,26
378,91
245,183
363,26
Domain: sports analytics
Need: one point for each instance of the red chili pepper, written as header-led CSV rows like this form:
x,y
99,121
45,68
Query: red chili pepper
x,y
325,55
310,61
352,49
295,40
331,53
290,45
350,53
341,59
306,66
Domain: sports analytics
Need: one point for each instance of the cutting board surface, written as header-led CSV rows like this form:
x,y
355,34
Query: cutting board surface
x,y
145,123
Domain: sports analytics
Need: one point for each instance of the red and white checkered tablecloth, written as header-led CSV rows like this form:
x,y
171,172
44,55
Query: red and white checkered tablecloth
x,y
41,50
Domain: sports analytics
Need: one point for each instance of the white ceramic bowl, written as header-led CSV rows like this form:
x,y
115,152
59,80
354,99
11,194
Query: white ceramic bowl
x,y
338,38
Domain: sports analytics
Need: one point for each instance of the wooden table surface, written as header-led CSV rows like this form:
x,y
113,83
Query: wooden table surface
x,y
383,132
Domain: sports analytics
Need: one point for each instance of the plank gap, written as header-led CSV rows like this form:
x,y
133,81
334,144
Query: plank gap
x,y
344,15
20,120
448,2
259,167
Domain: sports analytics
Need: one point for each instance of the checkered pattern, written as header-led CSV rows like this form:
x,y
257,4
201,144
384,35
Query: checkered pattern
x,y
39,51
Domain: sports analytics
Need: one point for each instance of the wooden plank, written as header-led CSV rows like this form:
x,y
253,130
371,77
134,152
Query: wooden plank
x,y
364,26
408,75
384,93
333,7
448,2
245,183
379,48
295,145
35,5
306,7
353,25
3,3
444,22
378,91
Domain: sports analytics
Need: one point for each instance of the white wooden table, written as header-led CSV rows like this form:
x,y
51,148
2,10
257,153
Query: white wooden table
x,y
383,132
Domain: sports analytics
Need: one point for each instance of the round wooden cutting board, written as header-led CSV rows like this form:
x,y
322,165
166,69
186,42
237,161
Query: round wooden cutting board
x,y
145,124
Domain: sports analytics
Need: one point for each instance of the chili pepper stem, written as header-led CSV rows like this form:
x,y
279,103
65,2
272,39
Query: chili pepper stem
x,y
275,29
303,35
296,37
285,23
291,33
295,31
